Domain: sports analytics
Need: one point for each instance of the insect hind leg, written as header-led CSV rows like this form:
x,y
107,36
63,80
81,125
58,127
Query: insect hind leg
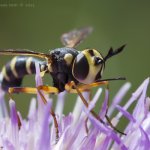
x,y
32,90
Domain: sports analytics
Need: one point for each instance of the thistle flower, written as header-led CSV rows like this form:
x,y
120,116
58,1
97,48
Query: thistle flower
x,y
37,131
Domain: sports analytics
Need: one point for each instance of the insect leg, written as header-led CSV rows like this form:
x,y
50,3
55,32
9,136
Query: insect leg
x,y
107,117
87,87
28,90
46,89
95,84
73,85
84,87
32,90
53,115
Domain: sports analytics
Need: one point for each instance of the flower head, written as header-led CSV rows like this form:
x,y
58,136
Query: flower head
x,y
79,129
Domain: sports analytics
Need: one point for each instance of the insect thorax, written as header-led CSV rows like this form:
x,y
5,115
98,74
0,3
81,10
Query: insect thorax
x,y
61,66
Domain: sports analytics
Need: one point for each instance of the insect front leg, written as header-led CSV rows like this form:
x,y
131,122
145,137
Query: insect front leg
x,y
73,88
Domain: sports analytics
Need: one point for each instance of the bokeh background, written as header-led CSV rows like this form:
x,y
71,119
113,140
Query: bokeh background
x,y
37,25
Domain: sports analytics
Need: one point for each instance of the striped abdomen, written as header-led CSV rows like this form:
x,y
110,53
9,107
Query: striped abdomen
x,y
14,71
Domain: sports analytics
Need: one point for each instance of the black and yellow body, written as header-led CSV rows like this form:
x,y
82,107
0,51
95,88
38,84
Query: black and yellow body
x,y
63,64
67,64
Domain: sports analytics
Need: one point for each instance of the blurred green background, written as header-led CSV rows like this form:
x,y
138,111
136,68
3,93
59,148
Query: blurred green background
x,y
37,25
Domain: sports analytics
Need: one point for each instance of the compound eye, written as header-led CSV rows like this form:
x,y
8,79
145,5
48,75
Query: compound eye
x,y
88,66
80,68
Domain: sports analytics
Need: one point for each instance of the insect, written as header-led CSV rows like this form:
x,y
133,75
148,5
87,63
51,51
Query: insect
x,y
70,69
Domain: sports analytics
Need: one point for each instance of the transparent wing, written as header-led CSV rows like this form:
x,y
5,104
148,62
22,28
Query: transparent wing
x,y
24,52
75,37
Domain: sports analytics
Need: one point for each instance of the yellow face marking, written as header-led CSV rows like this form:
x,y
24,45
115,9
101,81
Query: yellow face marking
x,y
68,58
28,65
4,74
12,67
93,69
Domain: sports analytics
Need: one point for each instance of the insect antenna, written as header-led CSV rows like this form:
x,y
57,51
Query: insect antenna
x,y
111,79
112,52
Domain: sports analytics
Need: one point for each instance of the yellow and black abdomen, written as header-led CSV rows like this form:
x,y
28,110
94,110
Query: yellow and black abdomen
x,y
14,71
